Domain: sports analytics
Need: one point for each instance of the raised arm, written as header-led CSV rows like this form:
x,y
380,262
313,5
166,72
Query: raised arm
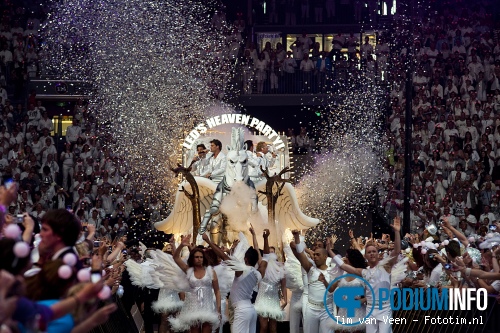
x,y
95,319
496,256
215,286
329,246
468,272
285,296
255,242
354,241
172,243
397,240
348,268
114,254
266,241
461,237
29,226
221,254
263,262
177,253
298,251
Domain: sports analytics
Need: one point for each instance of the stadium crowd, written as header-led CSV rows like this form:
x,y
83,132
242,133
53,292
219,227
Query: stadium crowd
x,y
455,117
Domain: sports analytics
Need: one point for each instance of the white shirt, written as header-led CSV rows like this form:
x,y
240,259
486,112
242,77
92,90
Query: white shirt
x,y
338,42
217,166
73,133
490,216
366,49
316,288
302,141
242,288
45,123
306,44
306,65
378,278
201,167
254,164
7,56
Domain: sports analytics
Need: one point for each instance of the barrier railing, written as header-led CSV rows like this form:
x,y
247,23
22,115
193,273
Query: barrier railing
x,y
254,82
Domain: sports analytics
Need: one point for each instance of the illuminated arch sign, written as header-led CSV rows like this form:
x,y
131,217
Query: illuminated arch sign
x,y
234,118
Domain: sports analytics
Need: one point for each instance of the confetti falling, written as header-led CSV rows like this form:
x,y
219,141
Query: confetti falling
x,y
341,181
155,66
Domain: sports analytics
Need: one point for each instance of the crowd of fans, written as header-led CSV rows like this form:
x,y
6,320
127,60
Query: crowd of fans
x,y
455,112
307,69
83,176
77,200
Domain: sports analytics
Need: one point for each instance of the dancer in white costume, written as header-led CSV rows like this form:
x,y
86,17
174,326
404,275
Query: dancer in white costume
x,y
168,300
294,282
316,319
246,278
267,304
200,312
355,259
378,274
225,276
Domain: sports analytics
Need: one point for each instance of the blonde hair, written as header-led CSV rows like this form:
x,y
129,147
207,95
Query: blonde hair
x,y
261,146
82,249
81,311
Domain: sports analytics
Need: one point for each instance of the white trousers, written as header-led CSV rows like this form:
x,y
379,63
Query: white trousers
x,y
245,317
316,319
295,314
67,170
379,326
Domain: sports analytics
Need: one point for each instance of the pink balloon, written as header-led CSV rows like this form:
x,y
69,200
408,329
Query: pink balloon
x,y
104,293
422,243
424,251
64,272
70,259
21,249
12,231
446,242
415,246
83,275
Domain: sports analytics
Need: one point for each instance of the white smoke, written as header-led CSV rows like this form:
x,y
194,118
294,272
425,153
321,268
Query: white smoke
x,y
237,206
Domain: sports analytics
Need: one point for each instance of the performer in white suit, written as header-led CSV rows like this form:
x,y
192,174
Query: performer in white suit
x,y
254,163
217,162
316,318
200,164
